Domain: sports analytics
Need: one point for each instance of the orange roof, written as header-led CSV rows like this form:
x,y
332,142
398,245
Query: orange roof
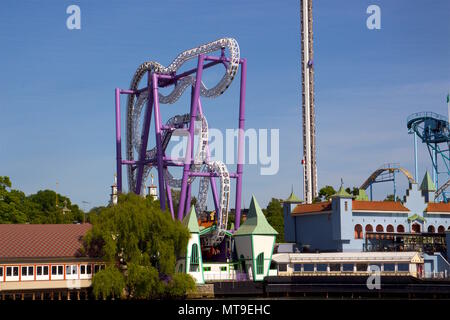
x,y
438,207
312,208
356,205
379,206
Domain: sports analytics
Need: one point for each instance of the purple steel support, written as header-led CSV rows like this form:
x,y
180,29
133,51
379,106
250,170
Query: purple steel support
x,y
169,198
188,199
144,139
159,149
240,145
188,160
118,143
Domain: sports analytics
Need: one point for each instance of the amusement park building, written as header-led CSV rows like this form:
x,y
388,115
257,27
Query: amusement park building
x,y
355,224
45,260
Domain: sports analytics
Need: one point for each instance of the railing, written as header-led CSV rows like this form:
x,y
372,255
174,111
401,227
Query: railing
x,y
221,276
426,114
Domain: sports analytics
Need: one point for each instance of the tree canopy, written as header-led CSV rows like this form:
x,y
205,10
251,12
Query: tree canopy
x,y
142,242
274,215
45,206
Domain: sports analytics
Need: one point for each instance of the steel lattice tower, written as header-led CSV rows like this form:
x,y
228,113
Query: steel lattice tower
x,y
309,132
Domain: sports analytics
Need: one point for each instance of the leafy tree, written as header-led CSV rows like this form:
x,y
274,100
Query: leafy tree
x,y
274,215
390,197
326,192
178,285
136,234
354,191
108,282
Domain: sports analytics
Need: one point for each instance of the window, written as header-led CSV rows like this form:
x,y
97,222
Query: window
x,y
321,267
297,267
194,254
206,268
358,232
347,267
308,267
416,228
71,270
223,268
400,228
260,263
390,228
82,269
346,205
27,271
1,272
369,228
96,268
12,271
361,267
431,229
335,267
42,270
282,267
441,229
89,269
402,267
57,270
380,228
389,267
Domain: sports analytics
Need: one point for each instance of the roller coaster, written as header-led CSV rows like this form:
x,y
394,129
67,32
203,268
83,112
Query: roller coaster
x,y
145,101
385,173
433,130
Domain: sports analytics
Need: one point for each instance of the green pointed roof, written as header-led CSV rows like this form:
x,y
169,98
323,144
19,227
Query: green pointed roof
x,y
362,195
256,223
415,217
293,198
342,193
190,221
427,183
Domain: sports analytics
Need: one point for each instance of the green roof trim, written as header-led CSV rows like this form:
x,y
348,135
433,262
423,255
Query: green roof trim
x,y
415,217
342,193
190,221
256,223
362,195
211,229
293,198
427,183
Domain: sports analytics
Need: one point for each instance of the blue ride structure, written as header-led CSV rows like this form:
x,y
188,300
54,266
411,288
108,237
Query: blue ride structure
x,y
433,130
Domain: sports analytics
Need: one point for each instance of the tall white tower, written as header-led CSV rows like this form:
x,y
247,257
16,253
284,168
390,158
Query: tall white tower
x,y
309,131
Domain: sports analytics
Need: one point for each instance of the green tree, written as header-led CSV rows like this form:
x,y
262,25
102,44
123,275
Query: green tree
x,y
274,215
135,233
390,197
109,282
326,192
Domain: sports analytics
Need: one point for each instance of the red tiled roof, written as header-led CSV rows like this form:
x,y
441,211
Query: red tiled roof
x,y
438,207
41,240
379,206
356,205
312,208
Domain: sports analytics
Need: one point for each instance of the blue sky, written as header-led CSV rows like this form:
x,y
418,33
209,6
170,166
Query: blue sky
x,y
57,85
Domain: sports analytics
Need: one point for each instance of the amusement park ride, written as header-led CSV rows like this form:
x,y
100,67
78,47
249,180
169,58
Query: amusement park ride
x,y
433,130
145,101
